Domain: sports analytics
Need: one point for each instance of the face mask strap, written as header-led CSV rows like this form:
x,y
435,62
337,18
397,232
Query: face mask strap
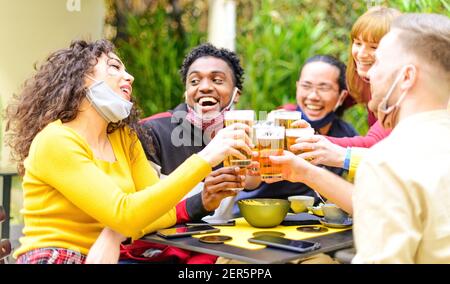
x,y
90,77
228,107
365,79
339,102
389,93
399,100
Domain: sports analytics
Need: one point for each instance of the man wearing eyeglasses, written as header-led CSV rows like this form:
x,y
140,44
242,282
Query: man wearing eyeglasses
x,y
321,89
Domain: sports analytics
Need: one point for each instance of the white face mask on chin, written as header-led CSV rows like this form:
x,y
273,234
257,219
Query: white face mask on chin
x,y
111,106
387,115
201,122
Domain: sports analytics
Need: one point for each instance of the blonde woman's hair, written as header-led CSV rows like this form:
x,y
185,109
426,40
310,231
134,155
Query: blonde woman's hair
x,y
370,27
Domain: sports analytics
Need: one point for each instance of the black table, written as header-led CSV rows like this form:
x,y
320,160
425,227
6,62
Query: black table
x,y
7,174
329,243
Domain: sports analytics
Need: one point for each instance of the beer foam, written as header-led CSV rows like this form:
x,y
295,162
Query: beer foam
x,y
285,114
240,115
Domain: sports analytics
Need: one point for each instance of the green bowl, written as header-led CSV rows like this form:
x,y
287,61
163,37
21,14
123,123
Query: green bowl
x,y
264,212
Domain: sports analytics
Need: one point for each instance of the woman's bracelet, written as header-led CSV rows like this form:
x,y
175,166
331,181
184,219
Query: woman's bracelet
x,y
348,155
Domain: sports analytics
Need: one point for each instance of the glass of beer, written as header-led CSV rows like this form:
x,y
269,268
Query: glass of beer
x,y
293,134
245,117
285,118
256,125
270,141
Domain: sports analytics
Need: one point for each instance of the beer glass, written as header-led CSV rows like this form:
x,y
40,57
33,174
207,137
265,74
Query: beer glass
x,y
245,117
256,125
270,141
294,133
285,118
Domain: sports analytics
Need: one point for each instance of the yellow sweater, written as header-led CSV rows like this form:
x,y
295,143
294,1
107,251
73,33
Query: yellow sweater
x,y
70,196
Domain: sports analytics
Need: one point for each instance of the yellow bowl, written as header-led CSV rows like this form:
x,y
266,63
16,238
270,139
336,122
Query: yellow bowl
x,y
316,210
299,203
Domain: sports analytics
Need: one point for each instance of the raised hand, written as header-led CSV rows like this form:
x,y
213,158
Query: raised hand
x,y
232,140
219,184
294,168
319,151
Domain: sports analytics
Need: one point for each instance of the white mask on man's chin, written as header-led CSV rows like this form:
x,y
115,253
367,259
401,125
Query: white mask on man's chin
x,y
197,118
228,107
387,115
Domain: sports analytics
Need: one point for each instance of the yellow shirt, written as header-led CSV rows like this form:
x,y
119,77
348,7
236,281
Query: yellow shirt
x,y
70,196
402,197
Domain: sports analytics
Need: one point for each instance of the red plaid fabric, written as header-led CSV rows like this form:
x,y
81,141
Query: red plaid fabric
x,y
51,256
162,254
143,251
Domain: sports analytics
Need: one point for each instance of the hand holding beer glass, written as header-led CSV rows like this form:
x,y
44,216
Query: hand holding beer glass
x,y
232,140
245,117
319,150
293,134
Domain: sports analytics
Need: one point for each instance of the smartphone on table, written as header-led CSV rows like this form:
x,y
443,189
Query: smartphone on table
x,y
283,243
186,231
213,223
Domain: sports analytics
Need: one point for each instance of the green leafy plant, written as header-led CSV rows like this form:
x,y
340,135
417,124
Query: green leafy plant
x,y
273,39
153,46
273,47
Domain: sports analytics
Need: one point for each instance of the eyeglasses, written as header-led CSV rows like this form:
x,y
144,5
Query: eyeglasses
x,y
319,89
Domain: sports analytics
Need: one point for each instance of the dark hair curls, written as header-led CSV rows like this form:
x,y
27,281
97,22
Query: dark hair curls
x,y
55,92
207,49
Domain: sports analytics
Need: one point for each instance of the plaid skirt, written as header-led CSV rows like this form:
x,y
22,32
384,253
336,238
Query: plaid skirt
x,y
51,256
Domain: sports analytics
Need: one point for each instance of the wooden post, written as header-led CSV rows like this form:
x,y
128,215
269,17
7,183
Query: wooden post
x,y
222,23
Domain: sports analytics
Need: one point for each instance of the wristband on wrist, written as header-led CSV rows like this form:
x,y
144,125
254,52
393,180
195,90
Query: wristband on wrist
x,y
347,158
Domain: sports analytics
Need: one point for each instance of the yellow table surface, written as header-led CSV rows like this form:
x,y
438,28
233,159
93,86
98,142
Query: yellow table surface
x,y
242,231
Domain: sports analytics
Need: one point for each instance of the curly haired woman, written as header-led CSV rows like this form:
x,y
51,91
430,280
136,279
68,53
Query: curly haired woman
x,y
73,131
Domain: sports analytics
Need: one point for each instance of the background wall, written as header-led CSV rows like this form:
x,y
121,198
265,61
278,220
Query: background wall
x,y
30,30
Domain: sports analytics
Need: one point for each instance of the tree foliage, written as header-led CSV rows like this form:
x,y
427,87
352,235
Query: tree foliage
x,y
274,38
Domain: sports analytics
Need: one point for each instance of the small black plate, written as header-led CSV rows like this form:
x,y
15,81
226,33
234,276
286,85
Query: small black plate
x,y
312,229
347,223
269,233
217,239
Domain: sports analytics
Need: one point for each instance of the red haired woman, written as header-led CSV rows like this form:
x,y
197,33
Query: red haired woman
x,y
365,35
